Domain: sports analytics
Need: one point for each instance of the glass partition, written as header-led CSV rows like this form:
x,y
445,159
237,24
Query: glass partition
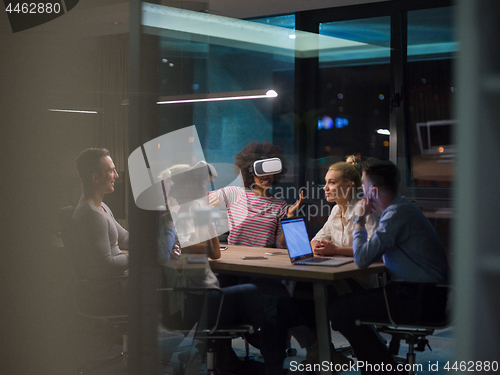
x,y
230,82
202,54
430,90
353,92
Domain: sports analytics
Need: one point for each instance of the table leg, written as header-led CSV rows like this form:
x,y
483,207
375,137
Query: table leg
x,y
322,326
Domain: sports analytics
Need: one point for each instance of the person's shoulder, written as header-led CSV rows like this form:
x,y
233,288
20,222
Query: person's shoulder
x,y
87,218
86,212
402,203
403,207
236,190
107,210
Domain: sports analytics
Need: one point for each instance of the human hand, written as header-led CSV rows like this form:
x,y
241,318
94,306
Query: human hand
x,y
364,207
213,199
296,205
325,247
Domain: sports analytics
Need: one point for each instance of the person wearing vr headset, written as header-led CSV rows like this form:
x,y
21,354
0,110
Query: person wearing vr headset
x,y
254,213
266,306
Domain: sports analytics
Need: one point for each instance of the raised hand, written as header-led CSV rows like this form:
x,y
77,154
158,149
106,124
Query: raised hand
x,y
296,205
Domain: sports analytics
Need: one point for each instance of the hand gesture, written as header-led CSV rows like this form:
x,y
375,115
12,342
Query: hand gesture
x,y
296,205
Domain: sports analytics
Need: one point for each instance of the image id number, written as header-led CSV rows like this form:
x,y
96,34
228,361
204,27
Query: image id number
x,y
471,366
33,8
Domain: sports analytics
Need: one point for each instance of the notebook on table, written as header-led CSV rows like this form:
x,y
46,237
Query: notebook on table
x,y
299,248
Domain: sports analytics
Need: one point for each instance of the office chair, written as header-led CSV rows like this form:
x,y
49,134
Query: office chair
x,y
114,320
414,333
210,335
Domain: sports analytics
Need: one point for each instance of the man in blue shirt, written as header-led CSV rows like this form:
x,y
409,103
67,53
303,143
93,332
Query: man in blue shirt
x,y
415,259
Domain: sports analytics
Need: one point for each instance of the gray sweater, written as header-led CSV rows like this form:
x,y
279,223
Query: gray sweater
x,y
97,241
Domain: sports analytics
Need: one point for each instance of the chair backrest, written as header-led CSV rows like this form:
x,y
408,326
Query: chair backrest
x,y
65,231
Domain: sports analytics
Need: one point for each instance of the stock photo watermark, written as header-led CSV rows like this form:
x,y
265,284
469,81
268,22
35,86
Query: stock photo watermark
x,y
25,15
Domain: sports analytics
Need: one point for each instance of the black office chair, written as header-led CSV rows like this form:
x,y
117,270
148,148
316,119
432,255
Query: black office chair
x,y
413,332
209,335
106,317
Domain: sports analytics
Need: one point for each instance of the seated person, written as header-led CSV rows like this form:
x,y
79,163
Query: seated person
x,y
263,306
343,187
95,237
254,213
415,259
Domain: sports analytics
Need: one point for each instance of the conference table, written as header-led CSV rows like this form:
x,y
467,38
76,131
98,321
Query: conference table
x,y
280,267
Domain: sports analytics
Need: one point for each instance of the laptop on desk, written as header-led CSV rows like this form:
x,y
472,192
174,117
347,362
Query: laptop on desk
x,y
299,247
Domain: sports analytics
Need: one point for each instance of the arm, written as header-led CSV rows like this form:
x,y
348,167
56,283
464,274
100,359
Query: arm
x,y
291,213
324,234
227,196
213,199
166,238
100,252
383,239
210,247
281,243
325,247
123,236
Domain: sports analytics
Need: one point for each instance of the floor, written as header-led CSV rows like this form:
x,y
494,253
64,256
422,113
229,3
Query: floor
x,y
428,362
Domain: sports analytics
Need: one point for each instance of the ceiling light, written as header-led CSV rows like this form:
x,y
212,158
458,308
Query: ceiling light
x,y
220,96
72,111
383,131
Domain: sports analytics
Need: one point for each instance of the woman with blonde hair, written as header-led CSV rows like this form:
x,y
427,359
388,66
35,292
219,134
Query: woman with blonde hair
x,y
343,187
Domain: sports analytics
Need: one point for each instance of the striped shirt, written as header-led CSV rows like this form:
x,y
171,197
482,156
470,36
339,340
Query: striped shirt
x,y
253,220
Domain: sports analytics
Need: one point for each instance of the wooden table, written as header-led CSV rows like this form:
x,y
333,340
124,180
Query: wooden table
x,y
280,267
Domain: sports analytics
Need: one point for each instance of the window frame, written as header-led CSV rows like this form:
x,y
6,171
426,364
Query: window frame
x,y
426,197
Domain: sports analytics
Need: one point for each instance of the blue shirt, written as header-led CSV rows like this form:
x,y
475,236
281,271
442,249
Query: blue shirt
x,y
407,242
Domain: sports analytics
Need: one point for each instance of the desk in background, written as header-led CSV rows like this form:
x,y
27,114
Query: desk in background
x,y
280,267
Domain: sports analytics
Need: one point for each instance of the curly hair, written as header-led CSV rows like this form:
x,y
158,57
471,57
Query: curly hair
x,y
255,151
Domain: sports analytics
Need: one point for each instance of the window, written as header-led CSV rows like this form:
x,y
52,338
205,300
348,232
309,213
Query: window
x,y
430,90
353,92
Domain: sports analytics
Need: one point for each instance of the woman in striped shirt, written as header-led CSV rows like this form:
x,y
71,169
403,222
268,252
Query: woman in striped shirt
x,y
254,213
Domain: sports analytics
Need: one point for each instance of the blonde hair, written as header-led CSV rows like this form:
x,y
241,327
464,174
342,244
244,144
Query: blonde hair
x,y
350,170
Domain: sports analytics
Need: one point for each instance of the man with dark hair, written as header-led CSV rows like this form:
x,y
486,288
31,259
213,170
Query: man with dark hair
x,y
383,173
89,162
95,238
415,259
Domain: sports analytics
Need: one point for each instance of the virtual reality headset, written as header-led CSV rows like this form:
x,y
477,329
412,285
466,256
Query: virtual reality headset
x,y
265,167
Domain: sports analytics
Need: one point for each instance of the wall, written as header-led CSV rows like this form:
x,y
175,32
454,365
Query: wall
x,y
46,67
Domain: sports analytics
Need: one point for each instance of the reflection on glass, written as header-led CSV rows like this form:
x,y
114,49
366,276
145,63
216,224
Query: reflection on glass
x,y
430,89
200,55
354,89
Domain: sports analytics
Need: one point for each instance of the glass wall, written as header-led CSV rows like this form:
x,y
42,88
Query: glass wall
x,y
334,93
430,91
217,60
353,92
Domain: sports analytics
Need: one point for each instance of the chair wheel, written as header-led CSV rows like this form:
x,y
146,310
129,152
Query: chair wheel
x,y
291,352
